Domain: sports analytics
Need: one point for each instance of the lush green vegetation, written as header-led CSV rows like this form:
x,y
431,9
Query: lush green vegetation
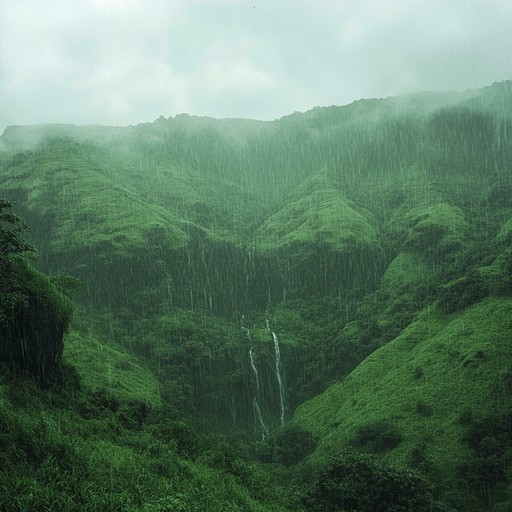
x,y
408,399
354,481
74,449
323,299
34,313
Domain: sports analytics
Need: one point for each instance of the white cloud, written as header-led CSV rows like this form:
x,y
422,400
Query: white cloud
x,y
235,76
128,61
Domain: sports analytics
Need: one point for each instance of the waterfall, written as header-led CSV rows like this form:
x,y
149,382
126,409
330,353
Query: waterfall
x,y
278,371
256,398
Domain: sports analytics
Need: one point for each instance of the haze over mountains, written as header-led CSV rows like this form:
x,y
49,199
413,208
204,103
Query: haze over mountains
x,y
369,244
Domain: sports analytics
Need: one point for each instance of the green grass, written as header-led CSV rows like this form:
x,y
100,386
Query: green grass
x,y
104,366
67,451
317,213
422,382
505,233
406,270
88,207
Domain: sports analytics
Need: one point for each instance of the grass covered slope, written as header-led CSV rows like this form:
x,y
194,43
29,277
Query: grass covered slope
x,y
75,450
320,240
68,185
188,197
412,399
104,366
317,212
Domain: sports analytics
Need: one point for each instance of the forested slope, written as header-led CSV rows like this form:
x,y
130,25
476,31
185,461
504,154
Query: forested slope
x,y
251,265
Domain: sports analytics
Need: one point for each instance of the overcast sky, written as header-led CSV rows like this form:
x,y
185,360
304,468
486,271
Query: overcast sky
x,y
129,61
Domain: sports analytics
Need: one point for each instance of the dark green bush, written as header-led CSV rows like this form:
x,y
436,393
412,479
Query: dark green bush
x,y
359,482
34,313
463,292
466,417
488,471
70,377
13,250
418,458
377,437
418,373
132,414
423,408
288,445
167,425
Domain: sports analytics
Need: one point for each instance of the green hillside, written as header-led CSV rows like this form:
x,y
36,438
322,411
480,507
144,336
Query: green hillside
x,y
253,299
78,450
421,393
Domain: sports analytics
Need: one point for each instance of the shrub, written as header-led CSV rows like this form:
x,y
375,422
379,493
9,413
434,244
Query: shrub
x,y
490,439
377,437
359,482
423,408
466,417
132,414
463,292
287,446
166,424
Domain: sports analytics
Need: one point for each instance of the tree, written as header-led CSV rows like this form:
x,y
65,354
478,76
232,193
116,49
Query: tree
x,y
34,314
13,249
357,482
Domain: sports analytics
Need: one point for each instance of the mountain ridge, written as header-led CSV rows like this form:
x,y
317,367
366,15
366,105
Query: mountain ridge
x,y
424,102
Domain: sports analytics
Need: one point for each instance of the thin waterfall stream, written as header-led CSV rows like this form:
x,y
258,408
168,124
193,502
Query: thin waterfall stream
x,y
257,395
278,372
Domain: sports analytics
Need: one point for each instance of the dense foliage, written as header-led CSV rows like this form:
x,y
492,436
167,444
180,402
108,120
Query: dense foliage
x,y
34,314
76,450
354,481
335,279
13,248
